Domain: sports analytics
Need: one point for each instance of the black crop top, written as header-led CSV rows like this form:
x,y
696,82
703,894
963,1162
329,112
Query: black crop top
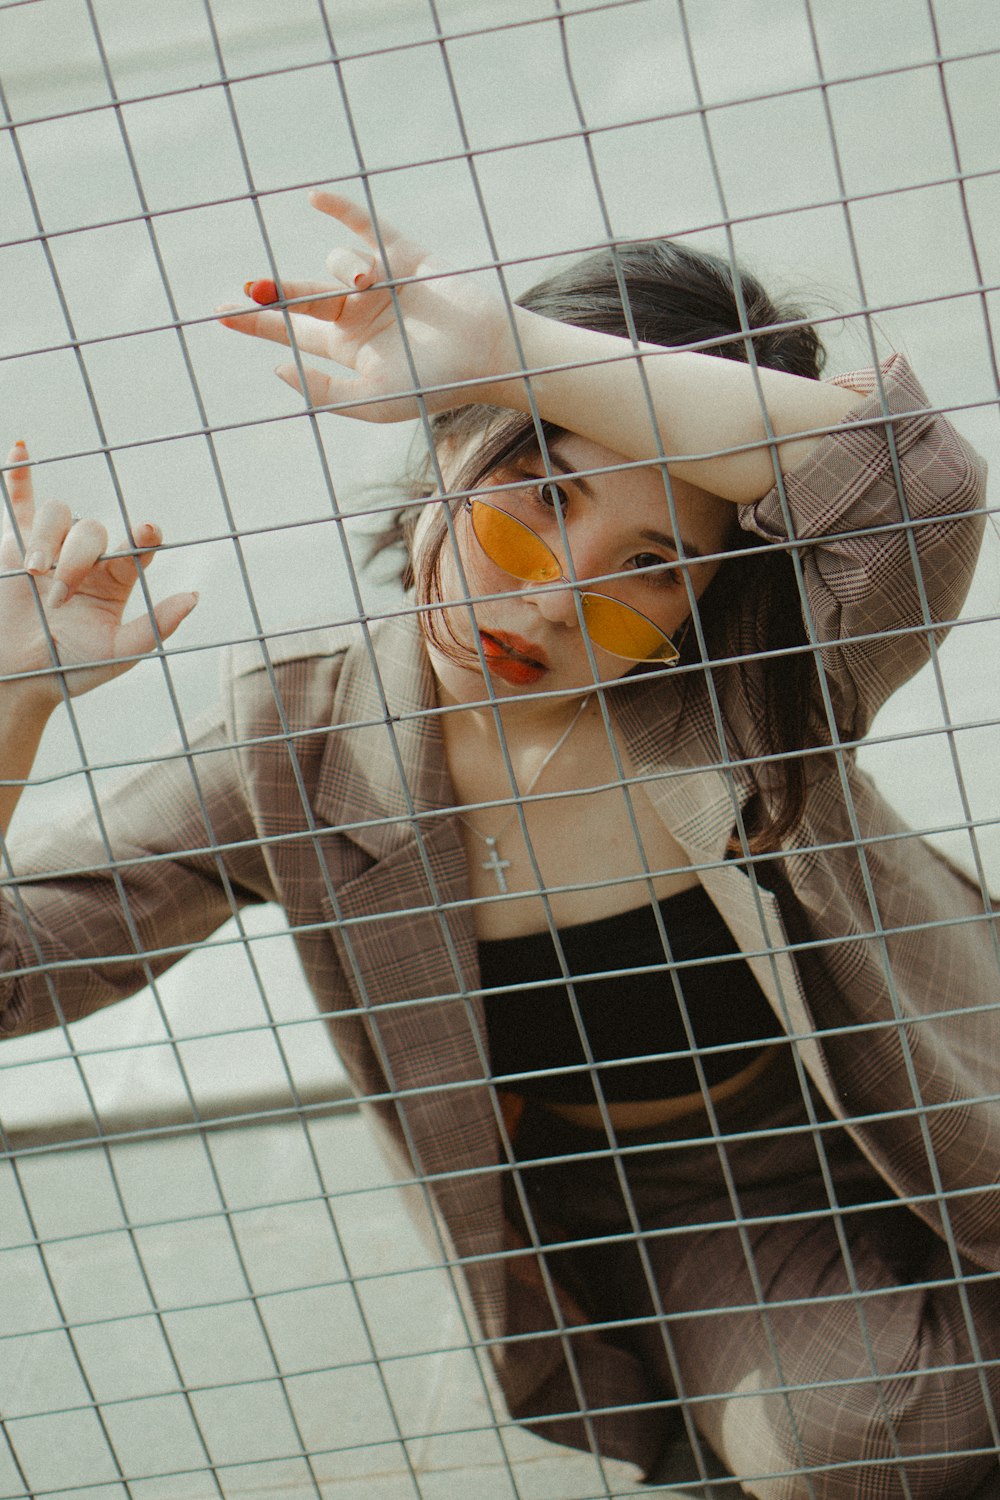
x,y
629,1015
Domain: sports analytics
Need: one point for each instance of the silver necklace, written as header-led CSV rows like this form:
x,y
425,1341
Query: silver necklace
x,y
493,862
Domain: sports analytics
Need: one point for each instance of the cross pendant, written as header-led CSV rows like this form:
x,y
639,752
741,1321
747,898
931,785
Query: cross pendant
x,y
497,865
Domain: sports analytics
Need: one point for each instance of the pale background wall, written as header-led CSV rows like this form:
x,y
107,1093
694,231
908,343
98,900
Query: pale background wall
x,y
773,149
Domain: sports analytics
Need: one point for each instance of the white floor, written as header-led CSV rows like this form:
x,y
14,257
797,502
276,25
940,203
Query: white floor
x,y
144,1339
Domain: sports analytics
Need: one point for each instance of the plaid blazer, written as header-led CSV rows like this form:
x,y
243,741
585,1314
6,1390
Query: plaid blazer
x,y
323,786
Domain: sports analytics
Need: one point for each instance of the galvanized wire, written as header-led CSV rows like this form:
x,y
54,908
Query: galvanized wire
x,y
298,1110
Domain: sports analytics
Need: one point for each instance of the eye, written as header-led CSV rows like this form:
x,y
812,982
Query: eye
x,y
551,496
659,571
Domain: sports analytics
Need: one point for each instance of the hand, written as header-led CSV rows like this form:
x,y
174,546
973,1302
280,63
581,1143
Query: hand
x,y
455,329
56,582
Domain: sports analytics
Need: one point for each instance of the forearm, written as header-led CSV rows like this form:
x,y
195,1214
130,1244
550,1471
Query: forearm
x,y
22,724
697,404
104,902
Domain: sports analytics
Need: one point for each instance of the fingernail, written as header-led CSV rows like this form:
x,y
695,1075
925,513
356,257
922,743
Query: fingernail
x,y
58,594
262,292
36,562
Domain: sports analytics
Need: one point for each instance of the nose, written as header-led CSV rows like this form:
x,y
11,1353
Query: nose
x,y
557,603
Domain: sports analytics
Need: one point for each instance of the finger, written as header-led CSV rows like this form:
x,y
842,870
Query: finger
x,y
352,269
319,388
42,544
310,297
122,567
20,491
355,218
308,332
317,384
262,292
84,544
140,636
339,392
359,221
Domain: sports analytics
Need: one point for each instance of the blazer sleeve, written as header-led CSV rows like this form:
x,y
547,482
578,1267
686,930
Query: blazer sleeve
x,y
92,913
888,511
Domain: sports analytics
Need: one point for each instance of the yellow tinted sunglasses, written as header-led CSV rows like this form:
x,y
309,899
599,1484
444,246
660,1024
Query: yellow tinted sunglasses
x,y
520,551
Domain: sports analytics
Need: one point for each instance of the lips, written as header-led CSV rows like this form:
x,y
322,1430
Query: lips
x,y
503,643
513,658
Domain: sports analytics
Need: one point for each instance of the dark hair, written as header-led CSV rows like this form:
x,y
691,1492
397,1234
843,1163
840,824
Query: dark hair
x,y
673,296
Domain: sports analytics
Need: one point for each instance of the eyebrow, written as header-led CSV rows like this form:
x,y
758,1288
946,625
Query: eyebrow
x,y
658,538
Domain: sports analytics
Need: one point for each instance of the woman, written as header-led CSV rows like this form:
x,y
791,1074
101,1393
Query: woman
x,y
747,1183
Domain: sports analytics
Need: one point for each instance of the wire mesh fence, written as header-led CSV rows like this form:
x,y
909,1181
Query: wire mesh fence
x,y
209,1285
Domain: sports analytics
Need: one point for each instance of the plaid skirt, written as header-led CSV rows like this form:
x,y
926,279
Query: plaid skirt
x,y
787,1309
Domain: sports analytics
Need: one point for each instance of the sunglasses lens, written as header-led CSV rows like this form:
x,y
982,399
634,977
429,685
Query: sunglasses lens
x,y
613,626
512,546
624,631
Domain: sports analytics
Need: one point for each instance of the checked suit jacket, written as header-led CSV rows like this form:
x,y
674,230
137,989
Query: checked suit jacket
x,y
322,785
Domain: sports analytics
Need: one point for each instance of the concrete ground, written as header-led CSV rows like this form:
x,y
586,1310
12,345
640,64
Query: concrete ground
x,y
249,1314
185,1318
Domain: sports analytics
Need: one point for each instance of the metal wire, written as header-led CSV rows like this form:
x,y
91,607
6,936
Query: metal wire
x,y
67,1428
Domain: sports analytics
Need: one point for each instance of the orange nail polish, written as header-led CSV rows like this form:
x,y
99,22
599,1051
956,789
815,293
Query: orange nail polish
x,y
262,292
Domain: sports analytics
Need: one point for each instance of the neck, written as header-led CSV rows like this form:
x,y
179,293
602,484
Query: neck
x,y
463,690
526,721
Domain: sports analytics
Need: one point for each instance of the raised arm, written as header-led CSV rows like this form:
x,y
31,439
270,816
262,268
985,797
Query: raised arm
x,y
395,320
62,632
893,536
93,909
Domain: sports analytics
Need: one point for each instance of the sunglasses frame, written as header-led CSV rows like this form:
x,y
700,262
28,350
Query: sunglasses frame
x,y
585,594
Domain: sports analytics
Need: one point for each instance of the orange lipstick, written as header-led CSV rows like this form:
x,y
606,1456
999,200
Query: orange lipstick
x,y
512,658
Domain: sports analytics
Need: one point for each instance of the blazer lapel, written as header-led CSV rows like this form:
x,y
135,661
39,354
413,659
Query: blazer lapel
x,y
674,746
404,927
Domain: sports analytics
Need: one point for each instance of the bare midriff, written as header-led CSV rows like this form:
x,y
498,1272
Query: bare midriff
x,y
646,1114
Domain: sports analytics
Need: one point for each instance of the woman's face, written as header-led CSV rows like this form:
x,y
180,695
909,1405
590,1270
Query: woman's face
x,y
616,522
